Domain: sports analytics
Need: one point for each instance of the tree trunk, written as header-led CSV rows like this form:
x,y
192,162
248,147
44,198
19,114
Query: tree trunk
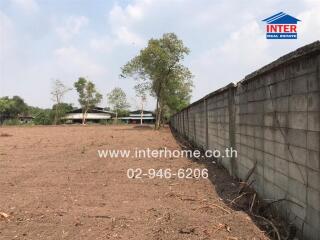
x,y
141,115
158,116
116,117
84,116
56,116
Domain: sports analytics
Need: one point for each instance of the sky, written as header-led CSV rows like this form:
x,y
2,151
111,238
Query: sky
x,y
44,40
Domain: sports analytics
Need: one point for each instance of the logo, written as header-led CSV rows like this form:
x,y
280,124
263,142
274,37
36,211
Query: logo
x,y
281,26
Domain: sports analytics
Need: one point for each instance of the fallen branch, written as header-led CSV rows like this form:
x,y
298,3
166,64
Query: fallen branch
x,y
248,176
238,197
223,209
271,224
252,203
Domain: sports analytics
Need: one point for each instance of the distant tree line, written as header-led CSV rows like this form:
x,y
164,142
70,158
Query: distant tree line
x,y
158,70
12,109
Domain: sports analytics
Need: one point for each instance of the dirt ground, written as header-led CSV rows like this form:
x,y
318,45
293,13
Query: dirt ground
x,y
53,185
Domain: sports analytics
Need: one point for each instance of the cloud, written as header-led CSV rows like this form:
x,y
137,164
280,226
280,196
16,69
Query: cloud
x,y
242,52
71,27
73,63
28,6
102,44
309,27
6,34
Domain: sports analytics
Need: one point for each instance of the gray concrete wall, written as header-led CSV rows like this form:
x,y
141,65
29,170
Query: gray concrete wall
x,y
272,117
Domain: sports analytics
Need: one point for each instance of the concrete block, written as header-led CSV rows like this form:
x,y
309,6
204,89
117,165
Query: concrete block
x,y
258,155
259,170
281,150
314,121
281,165
299,85
268,190
313,83
299,155
314,179
281,104
298,172
313,140
313,160
260,94
269,160
298,120
250,141
268,146
313,199
258,131
258,184
269,120
282,89
250,153
298,103
242,170
281,180
257,119
250,131
281,120
279,135
297,137
279,193
302,68
310,232
268,106
269,133
258,143
313,217
298,191
314,101
268,174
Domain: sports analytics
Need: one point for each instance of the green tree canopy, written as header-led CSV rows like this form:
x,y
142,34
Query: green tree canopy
x,y
118,101
159,67
88,96
12,107
60,111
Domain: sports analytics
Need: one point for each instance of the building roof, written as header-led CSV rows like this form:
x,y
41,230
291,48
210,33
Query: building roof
x,y
139,112
94,110
281,18
138,118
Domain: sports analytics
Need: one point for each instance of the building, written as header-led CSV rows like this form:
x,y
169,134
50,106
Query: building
x,y
135,117
25,119
95,115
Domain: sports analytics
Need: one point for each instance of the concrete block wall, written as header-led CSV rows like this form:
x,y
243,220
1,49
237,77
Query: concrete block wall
x,y
272,119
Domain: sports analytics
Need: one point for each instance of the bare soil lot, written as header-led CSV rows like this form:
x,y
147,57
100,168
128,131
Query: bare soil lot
x,y
53,185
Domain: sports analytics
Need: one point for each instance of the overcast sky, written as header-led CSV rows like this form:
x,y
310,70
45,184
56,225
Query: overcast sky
x,y
42,40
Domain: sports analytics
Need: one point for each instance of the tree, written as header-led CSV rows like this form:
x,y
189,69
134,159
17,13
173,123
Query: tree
x,y
141,92
88,96
12,107
118,101
159,64
57,93
60,111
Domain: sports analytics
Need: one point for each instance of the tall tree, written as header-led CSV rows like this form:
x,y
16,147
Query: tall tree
x,y
57,93
159,64
63,108
12,107
141,93
88,96
118,100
